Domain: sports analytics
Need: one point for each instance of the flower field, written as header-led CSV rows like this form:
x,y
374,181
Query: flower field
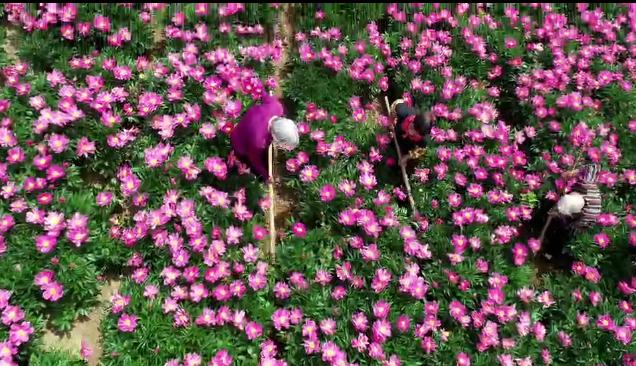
x,y
115,163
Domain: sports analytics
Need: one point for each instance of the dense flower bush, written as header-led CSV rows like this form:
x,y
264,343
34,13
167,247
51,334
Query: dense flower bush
x,y
116,160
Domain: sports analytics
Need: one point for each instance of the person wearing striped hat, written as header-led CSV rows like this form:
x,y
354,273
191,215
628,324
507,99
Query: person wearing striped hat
x,y
579,209
583,205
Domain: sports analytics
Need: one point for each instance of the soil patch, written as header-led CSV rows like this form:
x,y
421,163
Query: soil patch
x,y
284,31
87,329
11,44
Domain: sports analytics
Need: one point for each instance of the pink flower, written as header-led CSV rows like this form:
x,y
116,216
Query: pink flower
x,y
281,290
217,167
510,42
607,219
339,293
253,330
85,147
428,345
44,278
280,318
12,314
309,173
623,335
564,339
327,193
534,245
7,138
328,326
381,309
539,331
592,274
368,181
86,351
127,323
605,322
45,243
520,253
292,165
381,330
546,299
299,230
208,131
151,291
181,318
462,359
403,323
53,292
360,322
602,240
104,199
20,333
122,73
595,298
347,187
7,351
625,306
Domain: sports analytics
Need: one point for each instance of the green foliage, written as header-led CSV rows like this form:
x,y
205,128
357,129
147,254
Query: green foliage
x,y
157,339
311,84
54,358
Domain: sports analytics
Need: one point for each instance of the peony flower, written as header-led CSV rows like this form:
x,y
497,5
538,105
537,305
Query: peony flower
x,y
12,314
299,230
104,199
309,173
45,243
462,359
327,193
20,333
127,323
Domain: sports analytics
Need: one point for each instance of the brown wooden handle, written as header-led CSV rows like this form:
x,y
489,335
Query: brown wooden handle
x,y
272,199
402,165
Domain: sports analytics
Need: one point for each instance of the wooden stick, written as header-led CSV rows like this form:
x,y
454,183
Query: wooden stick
x,y
545,228
272,198
402,165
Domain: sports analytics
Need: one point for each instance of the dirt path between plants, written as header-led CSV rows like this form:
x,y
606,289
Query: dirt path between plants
x,y
87,329
284,30
10,44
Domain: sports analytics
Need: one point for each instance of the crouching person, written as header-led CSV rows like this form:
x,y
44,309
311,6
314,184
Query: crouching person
x,y
262,125
579,209
411,128
262,129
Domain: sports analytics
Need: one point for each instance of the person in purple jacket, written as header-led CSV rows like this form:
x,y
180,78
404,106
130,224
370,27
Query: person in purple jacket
x,y
262,125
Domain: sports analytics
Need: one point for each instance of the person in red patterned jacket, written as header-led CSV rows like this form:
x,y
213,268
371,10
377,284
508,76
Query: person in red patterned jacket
x,y
411,128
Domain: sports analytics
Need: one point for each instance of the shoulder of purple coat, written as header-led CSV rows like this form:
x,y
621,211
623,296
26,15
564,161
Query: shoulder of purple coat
x,y
273,103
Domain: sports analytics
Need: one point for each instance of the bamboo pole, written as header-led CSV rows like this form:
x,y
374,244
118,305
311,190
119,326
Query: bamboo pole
x,y
272,198
402,165
545,228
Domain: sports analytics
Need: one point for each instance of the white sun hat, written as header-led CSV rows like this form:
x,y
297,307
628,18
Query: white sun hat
x,y
571,204
284,133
